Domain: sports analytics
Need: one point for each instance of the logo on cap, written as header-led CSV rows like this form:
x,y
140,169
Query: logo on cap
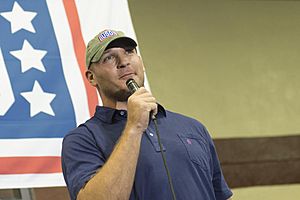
x,y
106,34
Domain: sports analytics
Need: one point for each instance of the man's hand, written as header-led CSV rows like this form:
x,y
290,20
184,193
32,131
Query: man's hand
x,y
139,106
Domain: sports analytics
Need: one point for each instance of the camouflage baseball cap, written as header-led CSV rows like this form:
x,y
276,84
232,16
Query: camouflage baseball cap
x,y
105,39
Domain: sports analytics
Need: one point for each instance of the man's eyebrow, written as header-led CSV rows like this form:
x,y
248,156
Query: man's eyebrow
x,y
106,51
126,48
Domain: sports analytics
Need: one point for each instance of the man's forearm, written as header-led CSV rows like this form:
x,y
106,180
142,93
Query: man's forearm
x,y
116,177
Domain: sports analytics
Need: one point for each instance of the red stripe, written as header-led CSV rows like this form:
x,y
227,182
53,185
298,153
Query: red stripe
x,y
79,46
30,165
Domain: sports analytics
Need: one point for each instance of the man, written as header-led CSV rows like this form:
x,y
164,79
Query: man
x,y
115,154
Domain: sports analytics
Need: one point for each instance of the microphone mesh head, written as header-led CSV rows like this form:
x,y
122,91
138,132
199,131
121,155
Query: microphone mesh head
x,y
132,85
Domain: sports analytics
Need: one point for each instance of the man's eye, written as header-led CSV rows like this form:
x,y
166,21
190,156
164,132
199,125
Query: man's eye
x,y
108,58
129,51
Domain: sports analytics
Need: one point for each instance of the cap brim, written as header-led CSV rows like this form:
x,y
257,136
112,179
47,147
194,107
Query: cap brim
x,y
121,42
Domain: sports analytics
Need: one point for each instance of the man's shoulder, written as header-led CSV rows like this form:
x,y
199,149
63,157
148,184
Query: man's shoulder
x,y
186,126
178,117
82,130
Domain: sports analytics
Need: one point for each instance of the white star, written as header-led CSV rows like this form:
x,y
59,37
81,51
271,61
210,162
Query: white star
x,y
39,100
19,19
30,57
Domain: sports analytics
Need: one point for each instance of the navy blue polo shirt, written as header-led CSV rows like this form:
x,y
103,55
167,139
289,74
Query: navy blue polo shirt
x,y
189,151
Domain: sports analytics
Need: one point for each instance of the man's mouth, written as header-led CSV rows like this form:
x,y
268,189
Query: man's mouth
x,y
127,76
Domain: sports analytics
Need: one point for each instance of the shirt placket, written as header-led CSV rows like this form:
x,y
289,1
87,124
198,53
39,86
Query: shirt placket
x,y
152,136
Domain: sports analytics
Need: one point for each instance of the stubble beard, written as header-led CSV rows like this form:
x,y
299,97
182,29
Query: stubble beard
x,y
121,95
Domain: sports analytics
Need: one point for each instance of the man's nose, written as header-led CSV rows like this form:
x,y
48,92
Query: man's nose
x,y
123,61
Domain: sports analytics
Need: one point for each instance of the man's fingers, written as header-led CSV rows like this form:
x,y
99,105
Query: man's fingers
x,y
153,109
144,95
141,90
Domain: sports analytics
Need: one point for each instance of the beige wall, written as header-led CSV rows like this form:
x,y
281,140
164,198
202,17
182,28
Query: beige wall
x,y
233,65
277,192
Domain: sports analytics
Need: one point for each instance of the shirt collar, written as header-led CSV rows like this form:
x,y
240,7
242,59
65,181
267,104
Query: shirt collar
x,y
108,115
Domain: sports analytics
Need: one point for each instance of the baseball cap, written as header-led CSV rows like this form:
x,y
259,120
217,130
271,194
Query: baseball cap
x,y
104,40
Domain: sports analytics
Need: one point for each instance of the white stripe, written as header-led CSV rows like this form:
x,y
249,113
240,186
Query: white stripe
x,y
69,62
104,15
30,147
6,93
31,180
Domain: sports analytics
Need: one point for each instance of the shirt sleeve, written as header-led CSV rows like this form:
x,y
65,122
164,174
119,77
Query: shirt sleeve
x,y
81,159
222,191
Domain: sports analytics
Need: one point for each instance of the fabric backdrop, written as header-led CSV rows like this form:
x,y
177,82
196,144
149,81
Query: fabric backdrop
x,y
43,92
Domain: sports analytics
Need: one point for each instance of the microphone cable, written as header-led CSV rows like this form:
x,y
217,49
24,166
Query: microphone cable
x,y
164,159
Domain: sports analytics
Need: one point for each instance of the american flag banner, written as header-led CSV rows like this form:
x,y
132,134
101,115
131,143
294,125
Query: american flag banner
x,y
43,90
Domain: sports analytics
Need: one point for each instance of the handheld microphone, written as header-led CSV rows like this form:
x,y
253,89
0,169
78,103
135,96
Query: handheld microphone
x,y
132,85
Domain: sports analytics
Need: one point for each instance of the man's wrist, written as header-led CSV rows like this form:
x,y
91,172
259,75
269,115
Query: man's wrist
x,y
133,130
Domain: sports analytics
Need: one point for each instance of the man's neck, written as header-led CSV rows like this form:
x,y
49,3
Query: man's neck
x,y
121,105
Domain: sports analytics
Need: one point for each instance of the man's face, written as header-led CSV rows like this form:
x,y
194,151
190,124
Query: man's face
x,y
115,67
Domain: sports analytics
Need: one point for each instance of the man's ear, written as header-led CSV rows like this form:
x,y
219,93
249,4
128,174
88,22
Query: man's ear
x,y
91,77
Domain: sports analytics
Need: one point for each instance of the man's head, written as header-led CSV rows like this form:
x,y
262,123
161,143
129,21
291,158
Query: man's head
x,y
111,59
105,40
